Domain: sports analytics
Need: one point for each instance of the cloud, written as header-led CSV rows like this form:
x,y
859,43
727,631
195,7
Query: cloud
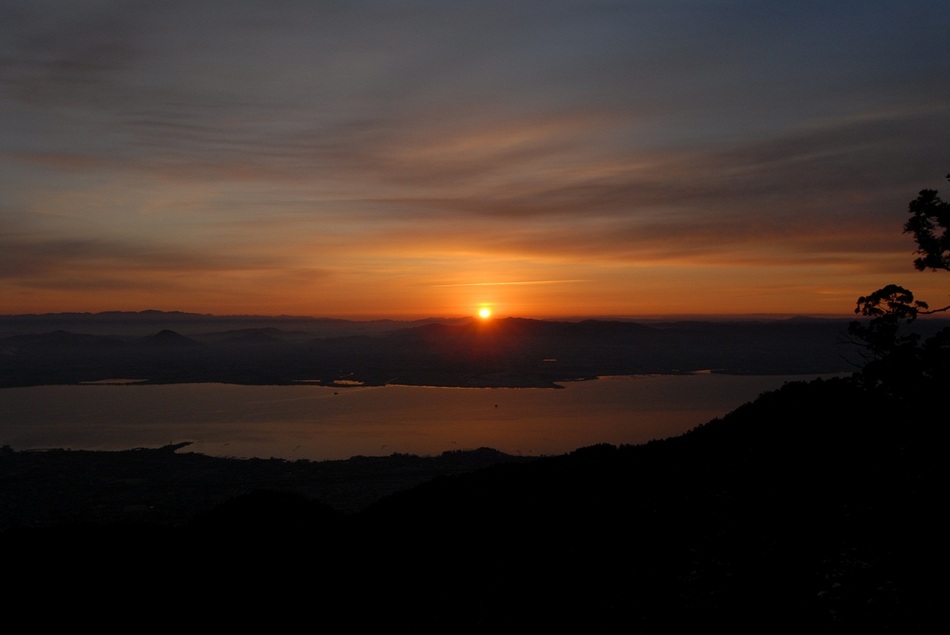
x,y
240,139
26,256
510,283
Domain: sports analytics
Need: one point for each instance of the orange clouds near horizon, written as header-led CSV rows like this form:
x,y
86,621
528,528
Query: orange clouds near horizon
x,y
547,159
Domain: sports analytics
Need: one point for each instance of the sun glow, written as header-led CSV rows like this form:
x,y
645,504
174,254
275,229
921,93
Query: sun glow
x,y
484,313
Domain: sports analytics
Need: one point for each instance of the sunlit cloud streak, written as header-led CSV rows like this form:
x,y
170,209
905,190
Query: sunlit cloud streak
x,y
509,283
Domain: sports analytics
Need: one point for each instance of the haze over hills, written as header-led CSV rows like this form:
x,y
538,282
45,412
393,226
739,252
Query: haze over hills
x,y
174,347
149,321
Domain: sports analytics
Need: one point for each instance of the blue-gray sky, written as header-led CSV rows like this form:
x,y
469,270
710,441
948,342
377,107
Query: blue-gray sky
x,y
397,159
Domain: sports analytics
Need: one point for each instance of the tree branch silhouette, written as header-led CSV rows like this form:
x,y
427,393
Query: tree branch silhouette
x,y
930,225
895,361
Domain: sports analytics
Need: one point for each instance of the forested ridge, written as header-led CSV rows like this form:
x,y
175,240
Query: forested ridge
x,y
815,505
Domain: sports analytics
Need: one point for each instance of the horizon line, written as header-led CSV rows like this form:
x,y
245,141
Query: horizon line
x,y
404,318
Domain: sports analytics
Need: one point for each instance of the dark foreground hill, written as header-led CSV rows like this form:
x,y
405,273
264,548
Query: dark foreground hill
x,y
814,509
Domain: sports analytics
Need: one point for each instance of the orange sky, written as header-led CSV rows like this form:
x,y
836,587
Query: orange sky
x,y
548,159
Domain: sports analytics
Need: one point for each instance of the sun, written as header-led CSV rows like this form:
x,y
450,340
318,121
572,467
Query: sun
x,y
484,313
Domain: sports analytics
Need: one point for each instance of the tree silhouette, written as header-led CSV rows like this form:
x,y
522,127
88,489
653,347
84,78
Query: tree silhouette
x,y
897,362
889,308
893,356
930,225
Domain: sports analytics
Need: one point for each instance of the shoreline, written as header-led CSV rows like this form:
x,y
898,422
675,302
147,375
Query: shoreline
x,y
318,422
344,384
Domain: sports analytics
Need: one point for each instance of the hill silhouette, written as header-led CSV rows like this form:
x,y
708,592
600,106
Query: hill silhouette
x,y
505,352
814,508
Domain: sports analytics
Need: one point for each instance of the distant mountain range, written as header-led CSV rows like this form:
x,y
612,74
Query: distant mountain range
x,y
173,347
145,322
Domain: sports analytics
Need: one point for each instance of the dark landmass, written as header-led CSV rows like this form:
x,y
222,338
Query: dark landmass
x,y
169,485
816,508
156,347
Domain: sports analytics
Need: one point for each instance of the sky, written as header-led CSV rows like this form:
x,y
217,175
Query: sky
x,y
403,159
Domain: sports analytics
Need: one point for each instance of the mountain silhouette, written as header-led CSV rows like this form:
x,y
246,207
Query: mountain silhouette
x,y
503,352
167,338
814,508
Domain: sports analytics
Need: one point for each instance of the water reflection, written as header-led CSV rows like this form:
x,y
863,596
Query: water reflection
x,y
321,422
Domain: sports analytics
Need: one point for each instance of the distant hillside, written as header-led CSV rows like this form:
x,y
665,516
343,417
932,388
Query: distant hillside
x,y
141,323
814,509
499,352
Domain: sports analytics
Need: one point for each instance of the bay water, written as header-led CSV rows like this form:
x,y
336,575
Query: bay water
x,y
316,422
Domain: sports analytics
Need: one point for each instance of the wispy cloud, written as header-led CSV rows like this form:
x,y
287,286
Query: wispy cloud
x,y
508,283
218,144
